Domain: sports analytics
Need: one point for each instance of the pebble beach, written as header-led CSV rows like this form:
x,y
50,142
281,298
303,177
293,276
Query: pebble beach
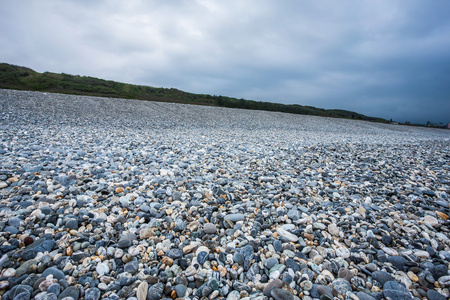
x,y
105,198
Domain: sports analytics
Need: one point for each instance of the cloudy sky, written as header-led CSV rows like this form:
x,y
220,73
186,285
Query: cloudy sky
x,y
384,58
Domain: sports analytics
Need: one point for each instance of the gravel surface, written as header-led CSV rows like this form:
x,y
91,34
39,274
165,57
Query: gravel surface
x,y
114,198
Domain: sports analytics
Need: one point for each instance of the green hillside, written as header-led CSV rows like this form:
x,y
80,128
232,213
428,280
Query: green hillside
x,y
22,78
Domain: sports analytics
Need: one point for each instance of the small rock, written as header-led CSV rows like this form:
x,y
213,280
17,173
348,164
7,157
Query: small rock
x,y
395,291
209,228
92,294
280,294
142,291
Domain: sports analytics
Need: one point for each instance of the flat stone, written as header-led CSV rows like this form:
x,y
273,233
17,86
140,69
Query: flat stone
x,y
287,235
433,295
364,296
397,261
395,291
26,267
234,217
131,267
280,294
382,277
71,291
142,291
325,290
276,283
155,291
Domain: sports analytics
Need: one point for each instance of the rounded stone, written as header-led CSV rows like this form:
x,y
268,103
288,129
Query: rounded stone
x,y
280,294
396,291
92,294
209,228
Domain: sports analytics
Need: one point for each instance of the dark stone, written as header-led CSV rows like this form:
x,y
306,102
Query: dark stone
x,y
397,261
180,290
11,229
126,292
252,271
123,281
41,245
433,295
72,224
290,263
123,244
280,294
381,256
364,296
276,283
239,286
212,283
155,291
71,291
314,292
78,256
345,274
238,258
23,296
28,254
271,262
16,290
55,289
277,245
131,267
341,287
175,253
206,291
58,274
202,257
396,291
325,290
439,271
248,253
382,277
373,241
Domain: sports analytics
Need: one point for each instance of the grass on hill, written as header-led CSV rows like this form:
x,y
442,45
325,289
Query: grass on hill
x,y
22,78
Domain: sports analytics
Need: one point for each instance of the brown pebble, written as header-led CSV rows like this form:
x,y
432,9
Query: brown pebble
x,y
167,261
442,215
152,279
308,236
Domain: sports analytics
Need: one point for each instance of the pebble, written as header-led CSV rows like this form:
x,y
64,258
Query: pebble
x,y
145,200
395,291
280,294
142,291
382,277
209,228
102,269
287,235
71,291
433,295
131,267
92,294
341,287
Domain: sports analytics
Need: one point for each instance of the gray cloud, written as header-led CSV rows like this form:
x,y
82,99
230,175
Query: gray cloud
x,y
386,58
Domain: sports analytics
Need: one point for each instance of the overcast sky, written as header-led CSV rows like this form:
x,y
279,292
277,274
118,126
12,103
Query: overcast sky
x,y
383,58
